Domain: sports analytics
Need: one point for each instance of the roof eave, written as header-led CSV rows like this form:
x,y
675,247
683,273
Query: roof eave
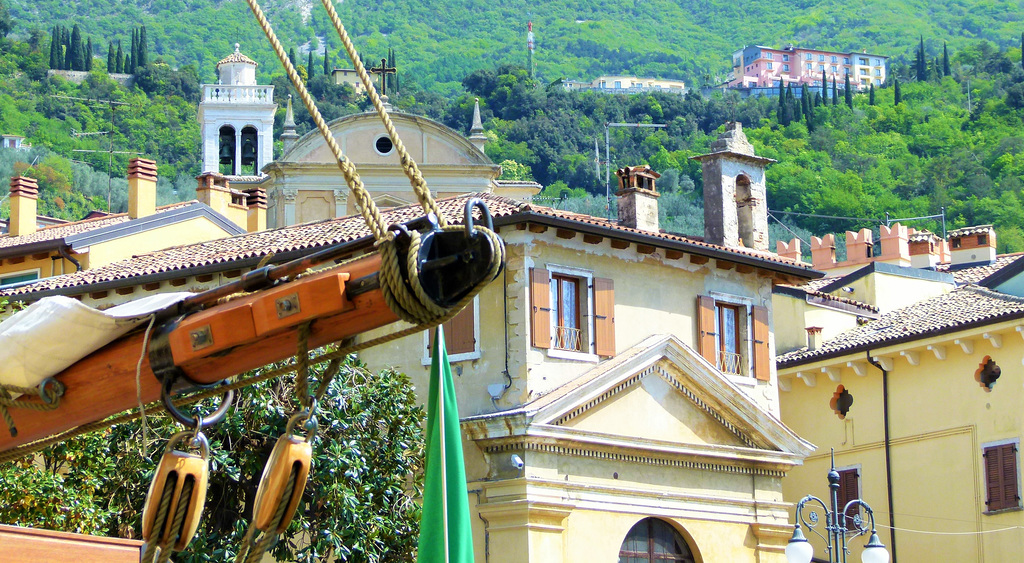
x,y
32,248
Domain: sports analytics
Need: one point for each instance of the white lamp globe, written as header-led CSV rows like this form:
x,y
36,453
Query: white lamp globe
x,y
874,551
799,550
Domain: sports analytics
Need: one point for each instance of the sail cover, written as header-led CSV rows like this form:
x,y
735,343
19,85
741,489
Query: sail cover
x,y
53,333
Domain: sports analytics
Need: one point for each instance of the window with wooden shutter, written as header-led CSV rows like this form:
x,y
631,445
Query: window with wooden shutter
x,y
762,355
460,333
849,489
540,313
1001,477
604,317
707,343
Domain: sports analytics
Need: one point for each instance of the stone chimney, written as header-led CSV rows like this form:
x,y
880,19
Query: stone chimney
x,y
813,337
859,246
638,198
789,250
288,135
823,252
141,188
895,245
256,202
214,190
24,192
973,245
925,249
735,204
476,131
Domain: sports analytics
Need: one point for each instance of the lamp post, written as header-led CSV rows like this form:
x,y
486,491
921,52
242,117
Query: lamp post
x,y
837,531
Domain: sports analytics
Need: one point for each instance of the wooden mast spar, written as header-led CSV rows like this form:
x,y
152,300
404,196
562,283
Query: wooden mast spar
x,y
204,340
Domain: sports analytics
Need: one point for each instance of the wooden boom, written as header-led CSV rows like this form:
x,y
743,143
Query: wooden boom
x,y
212,345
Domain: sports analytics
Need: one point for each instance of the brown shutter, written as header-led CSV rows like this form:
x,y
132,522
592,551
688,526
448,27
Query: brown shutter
x,y
459,337
1001,477
993,479
762,357
540,315
706,341
604,317
848,490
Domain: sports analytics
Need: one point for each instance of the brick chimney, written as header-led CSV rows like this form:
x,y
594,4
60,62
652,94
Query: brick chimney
x,y
214,190
925,249
638,198
823,252
24,192
973,245
141,188
789,250
256,202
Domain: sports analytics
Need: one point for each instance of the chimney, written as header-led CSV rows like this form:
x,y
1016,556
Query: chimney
x,y
789,250
859,246
214,190
895,245
813,338
924,249
141,188
23,206
973,245
638,198
735,204
823,252
256,202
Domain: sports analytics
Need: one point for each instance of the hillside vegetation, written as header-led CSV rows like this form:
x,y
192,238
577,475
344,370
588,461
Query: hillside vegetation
x,y
440,42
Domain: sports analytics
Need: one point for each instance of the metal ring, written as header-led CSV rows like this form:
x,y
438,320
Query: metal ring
x,y
311,425
196,440
57,390
485,214
204,421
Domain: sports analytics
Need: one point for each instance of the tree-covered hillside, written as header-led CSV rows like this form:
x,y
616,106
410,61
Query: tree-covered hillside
x,y
441,41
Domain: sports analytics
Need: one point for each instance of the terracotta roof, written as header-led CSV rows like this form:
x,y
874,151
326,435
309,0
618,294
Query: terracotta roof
x,y
236,57
829,297
957,310
974,230
326,233
975,274
63,230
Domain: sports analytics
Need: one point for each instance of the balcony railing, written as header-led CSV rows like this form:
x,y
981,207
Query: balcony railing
x,y
567,338
729,362
247,94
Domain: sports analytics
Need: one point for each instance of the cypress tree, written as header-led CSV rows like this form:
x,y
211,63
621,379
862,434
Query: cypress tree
x,y
796,110
805,102
54,49
143,48
922,62
835,92
1022,50
898,96
292,58
309,65
75,53
871,95
88,55
134,56
110,58
65,41
780,110
119,61
824,89
945,60
848,93
128,64
327,66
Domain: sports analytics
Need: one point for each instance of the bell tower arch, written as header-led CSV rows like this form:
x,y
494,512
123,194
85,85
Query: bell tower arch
x,y
237,119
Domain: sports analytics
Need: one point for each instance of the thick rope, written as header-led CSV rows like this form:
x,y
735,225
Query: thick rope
x,y
412,171
184,504
7,401
149,549
253,552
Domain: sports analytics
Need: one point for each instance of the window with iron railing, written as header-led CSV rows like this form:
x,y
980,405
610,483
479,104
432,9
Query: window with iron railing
x,y
727,329
565,306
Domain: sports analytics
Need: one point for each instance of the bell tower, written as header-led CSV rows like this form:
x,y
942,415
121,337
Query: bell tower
x,y
237,119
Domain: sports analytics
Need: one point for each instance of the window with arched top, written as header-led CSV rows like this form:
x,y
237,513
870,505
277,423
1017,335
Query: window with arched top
x,y
745,210
652,540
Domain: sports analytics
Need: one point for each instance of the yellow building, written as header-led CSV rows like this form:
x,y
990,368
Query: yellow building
x,y
29,252
916,392
616,383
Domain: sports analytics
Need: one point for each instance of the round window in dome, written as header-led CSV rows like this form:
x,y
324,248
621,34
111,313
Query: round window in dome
x,y
383,145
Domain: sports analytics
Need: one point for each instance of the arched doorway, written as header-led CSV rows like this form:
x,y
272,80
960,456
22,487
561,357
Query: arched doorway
x,y
651,540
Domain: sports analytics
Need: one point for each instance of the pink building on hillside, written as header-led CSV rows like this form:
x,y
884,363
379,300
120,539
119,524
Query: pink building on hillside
x,y
760,67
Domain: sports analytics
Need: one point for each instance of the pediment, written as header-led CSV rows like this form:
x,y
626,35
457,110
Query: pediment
x,y
388,200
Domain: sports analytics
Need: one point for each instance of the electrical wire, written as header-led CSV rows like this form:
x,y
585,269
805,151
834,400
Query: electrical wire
x,y
983,532
815,215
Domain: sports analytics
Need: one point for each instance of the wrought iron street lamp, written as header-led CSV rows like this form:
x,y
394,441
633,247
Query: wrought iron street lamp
x,y
838,527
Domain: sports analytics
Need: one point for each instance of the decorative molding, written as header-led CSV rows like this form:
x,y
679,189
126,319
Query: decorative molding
x,y
859,368
833,373
886,362
913,357
938,350
809,379
995,339
966,345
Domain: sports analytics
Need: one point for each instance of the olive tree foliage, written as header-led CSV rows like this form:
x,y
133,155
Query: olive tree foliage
x,y
359,503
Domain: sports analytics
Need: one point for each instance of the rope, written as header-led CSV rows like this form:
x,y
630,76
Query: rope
x,y
51,401
412,171
149,549
138,385
302,370
253,553
184,505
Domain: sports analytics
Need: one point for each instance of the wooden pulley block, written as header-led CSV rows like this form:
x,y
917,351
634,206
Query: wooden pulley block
x,y
291,454
175,469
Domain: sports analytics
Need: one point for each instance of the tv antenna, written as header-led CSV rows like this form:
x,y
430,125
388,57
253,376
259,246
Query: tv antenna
x,y
110,152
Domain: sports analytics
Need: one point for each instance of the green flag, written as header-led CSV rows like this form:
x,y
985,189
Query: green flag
x,y
446,534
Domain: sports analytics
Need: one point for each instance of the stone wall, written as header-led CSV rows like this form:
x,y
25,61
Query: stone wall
x,y
79,76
